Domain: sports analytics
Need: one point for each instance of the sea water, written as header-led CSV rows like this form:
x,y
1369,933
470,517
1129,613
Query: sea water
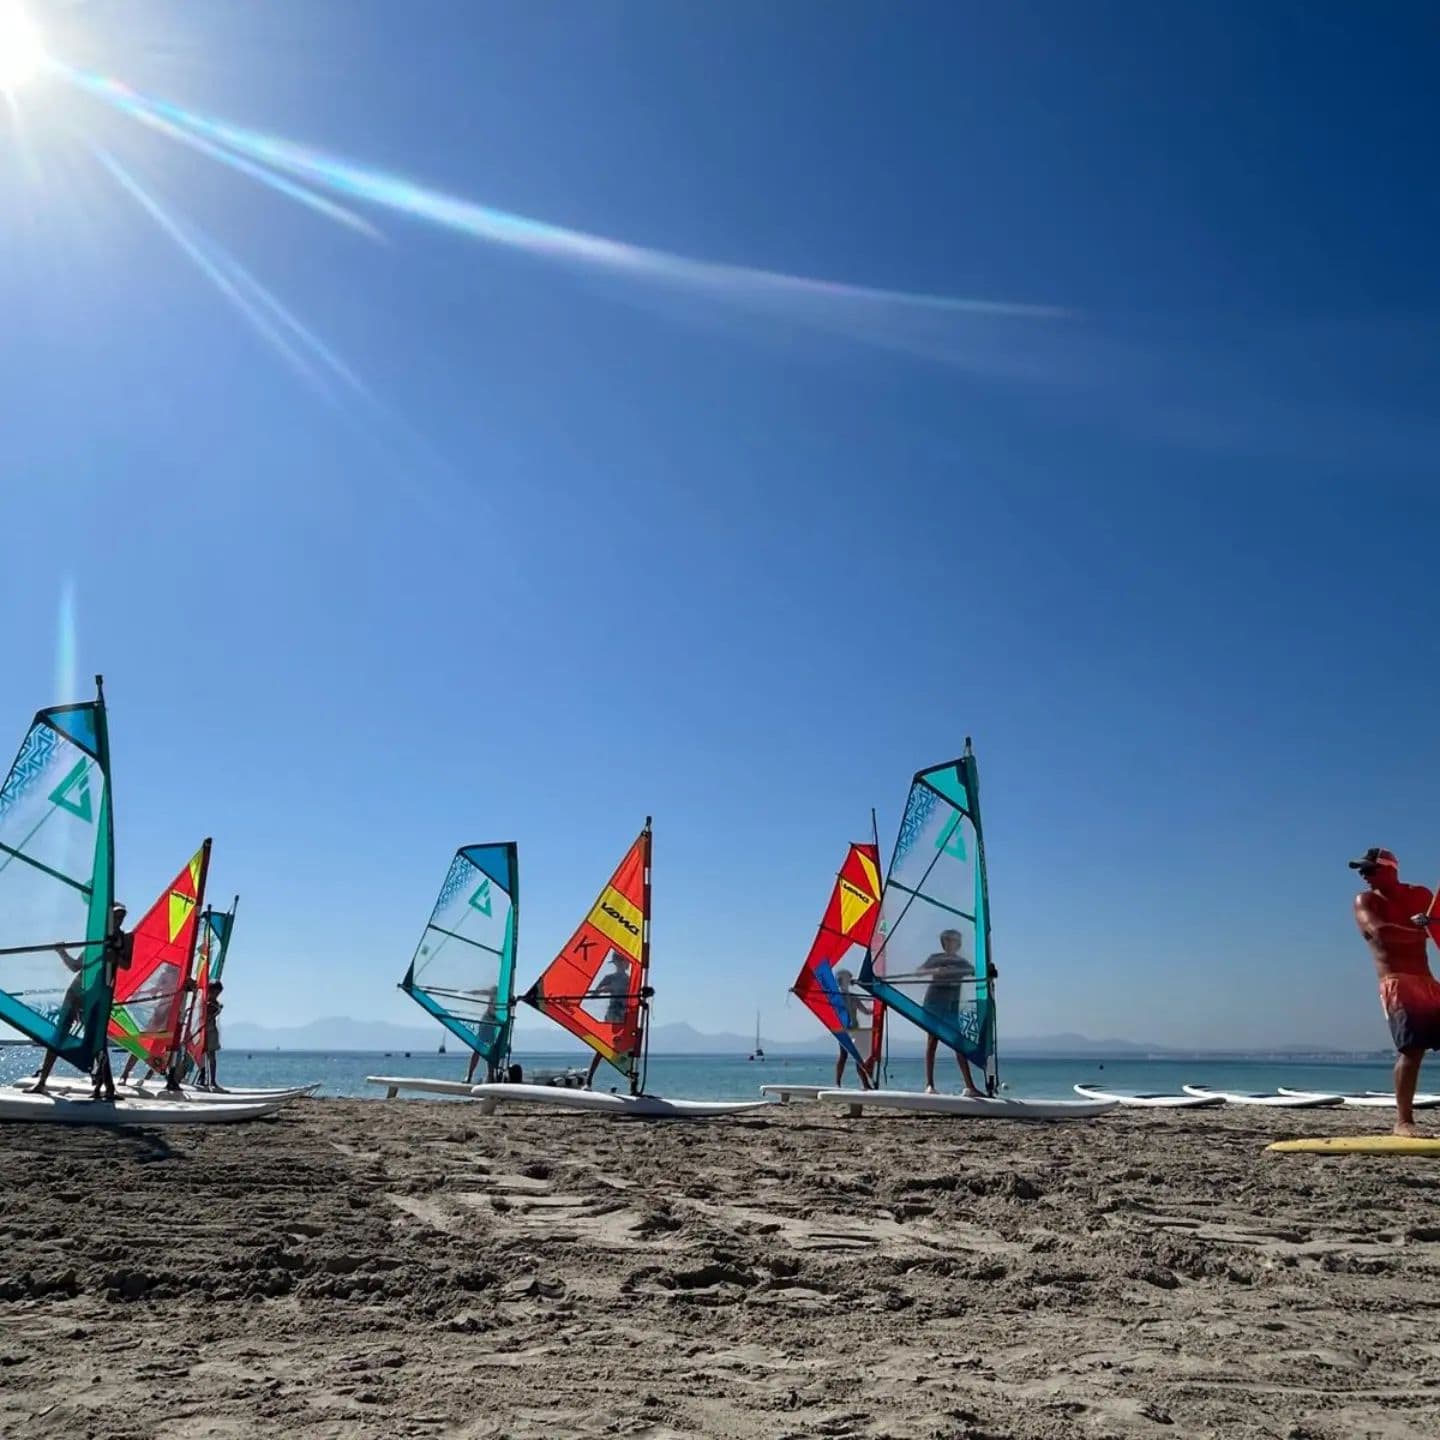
x,y
718,1077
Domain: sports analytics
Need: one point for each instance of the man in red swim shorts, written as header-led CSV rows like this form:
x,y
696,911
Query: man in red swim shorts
x,y
1394,919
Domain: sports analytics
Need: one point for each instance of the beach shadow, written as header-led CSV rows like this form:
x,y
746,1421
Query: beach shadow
x,y
85,1143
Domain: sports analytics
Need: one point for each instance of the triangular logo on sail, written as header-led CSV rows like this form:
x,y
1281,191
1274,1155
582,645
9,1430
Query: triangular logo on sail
x,y
480,900
73,792
854,904
952,839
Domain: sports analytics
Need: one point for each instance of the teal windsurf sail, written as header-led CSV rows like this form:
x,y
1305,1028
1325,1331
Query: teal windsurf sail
x,y
463,971
57,882
929,958
211,948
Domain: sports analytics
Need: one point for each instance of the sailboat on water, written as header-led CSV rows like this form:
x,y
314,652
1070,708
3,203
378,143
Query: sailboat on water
x,y
758,1053
598,988
929,957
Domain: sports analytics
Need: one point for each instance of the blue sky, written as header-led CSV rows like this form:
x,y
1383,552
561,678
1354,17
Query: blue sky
x,y
447,539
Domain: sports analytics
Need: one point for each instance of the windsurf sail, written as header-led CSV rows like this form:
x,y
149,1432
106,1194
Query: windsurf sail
x,y
147,1013
827,980
57,881
210,951
463,970
929,958
597,987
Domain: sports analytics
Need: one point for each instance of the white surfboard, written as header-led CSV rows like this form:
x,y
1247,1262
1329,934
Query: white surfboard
x,y
1376,1099
1278,1100
650,1107
1152,1101
977,1107
72,1087
75,1110
419,1085
786,1093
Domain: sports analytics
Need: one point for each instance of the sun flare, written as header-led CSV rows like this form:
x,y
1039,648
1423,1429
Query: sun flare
x,y
22,52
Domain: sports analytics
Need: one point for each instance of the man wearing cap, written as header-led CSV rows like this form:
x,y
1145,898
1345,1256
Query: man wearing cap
x,y
1394,918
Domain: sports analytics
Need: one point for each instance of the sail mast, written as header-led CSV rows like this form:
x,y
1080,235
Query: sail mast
x,y
985,965
637,1075
877,1014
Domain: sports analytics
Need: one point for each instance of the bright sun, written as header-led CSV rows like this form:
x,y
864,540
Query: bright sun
x,y
22,53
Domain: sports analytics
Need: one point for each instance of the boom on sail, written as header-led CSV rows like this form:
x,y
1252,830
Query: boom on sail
x,y
463,970
57,881
930,956
597,987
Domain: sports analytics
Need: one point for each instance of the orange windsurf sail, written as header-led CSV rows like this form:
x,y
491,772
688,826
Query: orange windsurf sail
x,y
596,987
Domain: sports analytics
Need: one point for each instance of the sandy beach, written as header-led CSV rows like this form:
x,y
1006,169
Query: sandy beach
x,y
411,1268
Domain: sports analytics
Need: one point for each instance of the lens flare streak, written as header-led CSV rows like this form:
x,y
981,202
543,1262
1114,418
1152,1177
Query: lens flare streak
x,y
265,314
899,319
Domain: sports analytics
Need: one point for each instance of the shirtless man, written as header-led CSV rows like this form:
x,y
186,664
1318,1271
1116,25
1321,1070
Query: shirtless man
x,y
1393,918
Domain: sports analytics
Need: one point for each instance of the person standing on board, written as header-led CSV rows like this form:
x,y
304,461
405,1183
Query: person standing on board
x,y
490,1023
856,1009
117,956
1394,919
947,971
119,946
210,1069
615,987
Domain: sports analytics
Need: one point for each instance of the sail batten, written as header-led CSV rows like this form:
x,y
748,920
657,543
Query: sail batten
x,y
469,986
930,956
597,986
56,821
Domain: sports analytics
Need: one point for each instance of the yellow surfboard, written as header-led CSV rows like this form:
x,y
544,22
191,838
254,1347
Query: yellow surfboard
x,y
1362,1145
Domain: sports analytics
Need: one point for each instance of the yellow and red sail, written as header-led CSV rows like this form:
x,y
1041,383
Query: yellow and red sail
x,y
827,980
148,1007
596,987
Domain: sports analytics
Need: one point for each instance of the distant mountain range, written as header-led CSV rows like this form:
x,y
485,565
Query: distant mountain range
x,y
338,1033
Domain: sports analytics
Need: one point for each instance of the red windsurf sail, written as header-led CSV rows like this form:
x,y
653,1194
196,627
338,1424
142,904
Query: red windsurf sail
x,y
826,982
596,987
148,1007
